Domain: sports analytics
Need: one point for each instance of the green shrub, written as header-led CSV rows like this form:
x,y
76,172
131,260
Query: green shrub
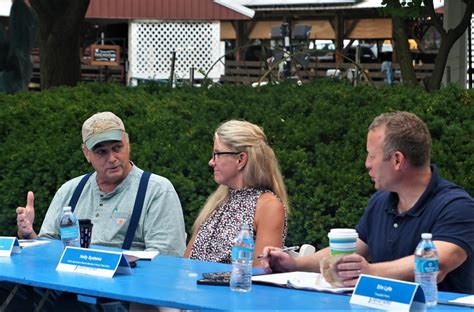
x,y
318,132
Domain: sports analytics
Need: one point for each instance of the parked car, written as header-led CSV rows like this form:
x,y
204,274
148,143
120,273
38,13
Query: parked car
x,y
325,50
366,54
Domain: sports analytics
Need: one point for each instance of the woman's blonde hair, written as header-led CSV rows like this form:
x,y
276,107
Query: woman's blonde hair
x,y
261,170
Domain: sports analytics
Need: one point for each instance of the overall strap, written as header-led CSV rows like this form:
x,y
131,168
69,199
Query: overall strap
x,y
78,191
137,210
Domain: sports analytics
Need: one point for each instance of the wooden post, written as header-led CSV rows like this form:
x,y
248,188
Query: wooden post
x,y
339,31
242,32
173,60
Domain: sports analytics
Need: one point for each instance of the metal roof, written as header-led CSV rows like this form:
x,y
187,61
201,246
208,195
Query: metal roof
x,y
293,5
168,10
290,2
301,5
218,9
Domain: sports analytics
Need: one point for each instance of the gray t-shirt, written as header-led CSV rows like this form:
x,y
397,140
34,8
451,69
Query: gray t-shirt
x,y
161,224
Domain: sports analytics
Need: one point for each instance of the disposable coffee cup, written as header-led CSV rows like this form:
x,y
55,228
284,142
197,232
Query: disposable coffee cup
x,y
342,241
85,227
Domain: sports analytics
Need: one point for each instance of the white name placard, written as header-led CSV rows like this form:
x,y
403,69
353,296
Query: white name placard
x,y
387,294
9,245
93,262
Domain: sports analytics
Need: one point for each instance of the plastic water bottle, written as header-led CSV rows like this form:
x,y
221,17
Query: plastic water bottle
x,y
242,261
69,228
426,268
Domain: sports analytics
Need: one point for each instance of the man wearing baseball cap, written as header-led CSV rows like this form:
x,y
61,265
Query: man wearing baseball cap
x,y
108,196
102,127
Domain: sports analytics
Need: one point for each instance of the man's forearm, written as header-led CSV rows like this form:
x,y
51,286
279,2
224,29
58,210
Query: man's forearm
x,y
401,269
311,263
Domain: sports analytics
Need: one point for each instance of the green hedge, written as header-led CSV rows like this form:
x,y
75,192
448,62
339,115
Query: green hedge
x,y
317,130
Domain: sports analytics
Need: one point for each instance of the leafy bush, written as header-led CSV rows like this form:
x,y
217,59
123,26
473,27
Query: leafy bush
x,y
317,130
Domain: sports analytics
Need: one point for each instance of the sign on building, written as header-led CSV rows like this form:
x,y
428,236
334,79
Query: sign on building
x,y
103,54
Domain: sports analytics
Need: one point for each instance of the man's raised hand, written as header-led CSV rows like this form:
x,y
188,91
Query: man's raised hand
x,y
25,216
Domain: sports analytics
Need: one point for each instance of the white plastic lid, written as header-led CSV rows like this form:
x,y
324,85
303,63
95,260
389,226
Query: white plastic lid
x,y
343,234
67,208
343,230
426,236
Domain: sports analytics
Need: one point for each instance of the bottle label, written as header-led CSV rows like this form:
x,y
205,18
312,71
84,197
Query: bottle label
x,y
426,265
70,232
242,252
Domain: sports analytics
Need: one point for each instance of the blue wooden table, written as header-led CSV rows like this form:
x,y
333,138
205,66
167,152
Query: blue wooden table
x,y
169,281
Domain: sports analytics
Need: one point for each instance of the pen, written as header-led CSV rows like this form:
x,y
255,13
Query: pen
x,y
284,249
460,304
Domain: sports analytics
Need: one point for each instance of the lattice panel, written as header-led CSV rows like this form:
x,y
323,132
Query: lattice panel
x,y
467,52
197,45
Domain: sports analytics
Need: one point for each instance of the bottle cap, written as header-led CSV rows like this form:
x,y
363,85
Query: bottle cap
x,y
426,236
67,208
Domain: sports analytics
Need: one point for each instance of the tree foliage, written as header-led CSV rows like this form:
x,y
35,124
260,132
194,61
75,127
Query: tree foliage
x,y
402,11
317,130
15,48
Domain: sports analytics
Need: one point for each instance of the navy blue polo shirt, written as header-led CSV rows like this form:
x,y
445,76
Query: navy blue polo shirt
x,y
444,209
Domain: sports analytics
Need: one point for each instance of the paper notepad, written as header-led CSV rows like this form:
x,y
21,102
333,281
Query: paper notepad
x,y
467,301
141,255
25,243
299,280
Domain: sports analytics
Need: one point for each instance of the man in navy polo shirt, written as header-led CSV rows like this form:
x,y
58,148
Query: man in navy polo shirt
x,y
411,199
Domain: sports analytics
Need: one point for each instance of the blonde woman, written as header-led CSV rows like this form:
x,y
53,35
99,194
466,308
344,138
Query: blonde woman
x,y
251,191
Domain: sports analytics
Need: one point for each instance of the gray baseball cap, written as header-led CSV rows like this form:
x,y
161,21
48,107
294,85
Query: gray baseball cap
x,y
101,127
